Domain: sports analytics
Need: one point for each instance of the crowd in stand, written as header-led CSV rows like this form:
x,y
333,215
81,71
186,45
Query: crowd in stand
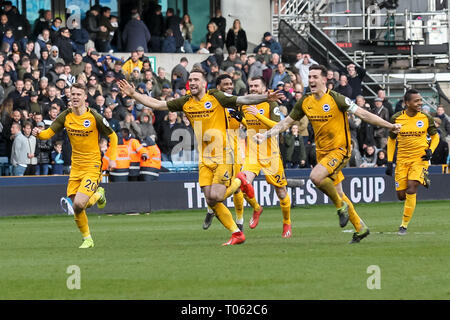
x,y
37,68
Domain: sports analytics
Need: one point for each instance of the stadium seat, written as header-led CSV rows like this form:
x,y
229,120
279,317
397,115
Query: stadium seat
x,y
5,168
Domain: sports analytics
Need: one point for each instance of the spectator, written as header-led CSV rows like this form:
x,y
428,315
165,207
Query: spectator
x,y
169,43
45,63
441,153
79,37
280,75
155,24
54,29
23,152
303,70
382,95
239,85
187,31
356,76
355,158
255,67
54,54
344,88
214,38
99,105
7,84
118,74
135,77
78,65
103,40
108,114
108,83
57,158
381,159
271,43
165,142
161,78
44,148
173,22
295,149
220,22
331,79
236,37
369,158
92,57
90,23
181,68
43,22
366,130
380,133
146,126
132,63
130,123
445,121
41,42
8,38
135,34
4,25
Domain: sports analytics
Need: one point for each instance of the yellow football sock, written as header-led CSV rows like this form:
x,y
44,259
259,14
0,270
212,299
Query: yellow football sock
x,y
327,187
225,217
352,214
93,199
82,222
285,205
255,205
238,199
408,209
234,186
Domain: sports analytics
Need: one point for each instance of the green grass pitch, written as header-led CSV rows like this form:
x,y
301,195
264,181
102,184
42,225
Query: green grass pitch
x,y
167,255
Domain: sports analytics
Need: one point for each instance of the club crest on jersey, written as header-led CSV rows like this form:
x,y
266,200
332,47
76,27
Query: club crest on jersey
x,y
419,124
87,123
326,107
208,105
261,111
348,101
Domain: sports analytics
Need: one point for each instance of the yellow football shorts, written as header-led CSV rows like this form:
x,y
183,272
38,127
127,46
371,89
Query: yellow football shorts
x,y
333,161
272,169
215,173
84,182
412,170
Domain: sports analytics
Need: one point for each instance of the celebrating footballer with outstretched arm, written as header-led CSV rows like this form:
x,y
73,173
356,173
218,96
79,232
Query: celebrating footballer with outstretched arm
x,y
327,112
84,127
205,111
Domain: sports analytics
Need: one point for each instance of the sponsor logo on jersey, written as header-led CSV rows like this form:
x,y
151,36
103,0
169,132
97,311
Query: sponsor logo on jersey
x,y
419,124
87,123
326,107
208,105
276,111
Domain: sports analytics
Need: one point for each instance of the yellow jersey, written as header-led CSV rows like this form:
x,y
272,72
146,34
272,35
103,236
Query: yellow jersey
x,y
329,119
412,138
209,120
271,111
84,134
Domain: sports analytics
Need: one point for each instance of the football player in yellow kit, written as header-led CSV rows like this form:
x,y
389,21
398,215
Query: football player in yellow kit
x,y
265,158
206,112
225,84
413,152
327,112
84,127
